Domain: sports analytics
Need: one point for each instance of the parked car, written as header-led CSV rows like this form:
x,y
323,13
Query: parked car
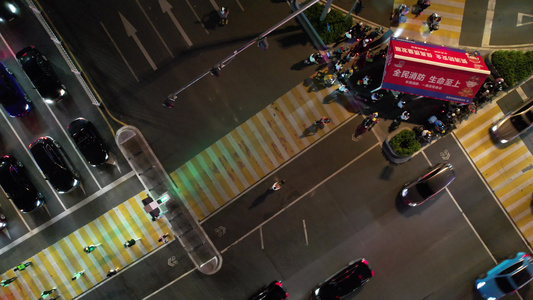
x,y
8,11
17,185
507,277
12,96
428,185
40,72
513,124
273,291
89,141
346,281
54,164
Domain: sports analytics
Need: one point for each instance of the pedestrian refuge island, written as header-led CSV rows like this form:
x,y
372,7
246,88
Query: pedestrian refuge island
x,y
158,185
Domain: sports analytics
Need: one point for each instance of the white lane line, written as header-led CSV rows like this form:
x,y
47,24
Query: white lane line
x,y
522,94
261,238
153,27
491,192
197,17
488,23
311,190
170,283
472,226
305,233
67,212
120,52
38,264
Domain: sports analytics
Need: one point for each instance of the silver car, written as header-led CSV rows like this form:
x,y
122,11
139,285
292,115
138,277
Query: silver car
x,y
512,125
428,185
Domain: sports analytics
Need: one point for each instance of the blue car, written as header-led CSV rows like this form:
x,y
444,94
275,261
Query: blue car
x,y
12,97
507,277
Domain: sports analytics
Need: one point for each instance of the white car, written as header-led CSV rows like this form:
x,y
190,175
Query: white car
x,y
512,125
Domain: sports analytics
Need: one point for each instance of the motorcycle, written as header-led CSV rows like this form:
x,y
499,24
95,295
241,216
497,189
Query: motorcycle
x,y
421,5
367,124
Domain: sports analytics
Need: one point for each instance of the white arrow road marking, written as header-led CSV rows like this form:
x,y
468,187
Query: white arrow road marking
x,y
166,8
520,19
130,31
153,27
172,261
120,52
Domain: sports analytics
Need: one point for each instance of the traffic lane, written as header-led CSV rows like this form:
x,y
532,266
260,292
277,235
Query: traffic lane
x,y
215,108
475,199
149,274
472,28
505,29
58,228
413,255
354,215
259,203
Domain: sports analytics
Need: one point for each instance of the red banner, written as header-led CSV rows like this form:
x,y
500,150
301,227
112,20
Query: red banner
x,y
433,71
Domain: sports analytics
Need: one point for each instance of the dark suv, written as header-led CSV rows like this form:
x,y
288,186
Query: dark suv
x,y
89,141
12,96
40,72
344,282
17,186
54,164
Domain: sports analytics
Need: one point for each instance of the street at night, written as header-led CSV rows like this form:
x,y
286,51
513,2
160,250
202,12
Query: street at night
x,y
184,206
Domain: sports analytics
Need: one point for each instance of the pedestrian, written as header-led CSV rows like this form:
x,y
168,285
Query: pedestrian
x,y
90,248
400,103
322,121
77,275
376,97
339,65
342,89
131,242
112,272
365,81
163,238
45,294
22,266
6,282
405,116
277,185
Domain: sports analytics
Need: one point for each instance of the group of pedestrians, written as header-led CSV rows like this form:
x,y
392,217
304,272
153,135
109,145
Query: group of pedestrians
x,y
88,249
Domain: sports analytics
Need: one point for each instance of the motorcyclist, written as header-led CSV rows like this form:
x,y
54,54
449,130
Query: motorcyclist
x,y
433,22
223,13
420,6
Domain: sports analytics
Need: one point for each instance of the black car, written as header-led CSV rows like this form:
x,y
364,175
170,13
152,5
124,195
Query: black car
x,y
344,282
273,291
88,141
40,72
428,185
54,164
12,97
17,186
8,10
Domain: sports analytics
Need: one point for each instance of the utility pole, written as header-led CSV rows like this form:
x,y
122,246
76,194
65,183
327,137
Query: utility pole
x,y
215,70
325,11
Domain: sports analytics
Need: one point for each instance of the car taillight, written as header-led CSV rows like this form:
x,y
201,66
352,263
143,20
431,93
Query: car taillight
x,y
364,261
372,272
279,284
526,255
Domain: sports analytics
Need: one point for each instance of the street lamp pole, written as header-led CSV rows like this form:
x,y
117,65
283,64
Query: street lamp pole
x,y
169,102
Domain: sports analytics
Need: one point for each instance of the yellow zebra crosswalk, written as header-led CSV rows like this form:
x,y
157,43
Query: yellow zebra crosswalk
x,y
55,265
259,146
508,171
416,28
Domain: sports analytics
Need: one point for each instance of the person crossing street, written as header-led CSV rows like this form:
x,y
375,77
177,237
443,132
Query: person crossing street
x,y
91,248
131,242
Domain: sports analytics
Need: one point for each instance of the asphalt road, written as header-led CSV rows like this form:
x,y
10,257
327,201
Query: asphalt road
x,y
341,207
134,89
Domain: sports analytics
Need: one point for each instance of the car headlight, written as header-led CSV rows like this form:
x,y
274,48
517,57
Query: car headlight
x,y
12,7
503,141
317,291
49,101
62,92
404,192
480,284
494,128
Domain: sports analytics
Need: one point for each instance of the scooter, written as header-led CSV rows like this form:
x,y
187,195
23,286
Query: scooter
x,y
223,13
